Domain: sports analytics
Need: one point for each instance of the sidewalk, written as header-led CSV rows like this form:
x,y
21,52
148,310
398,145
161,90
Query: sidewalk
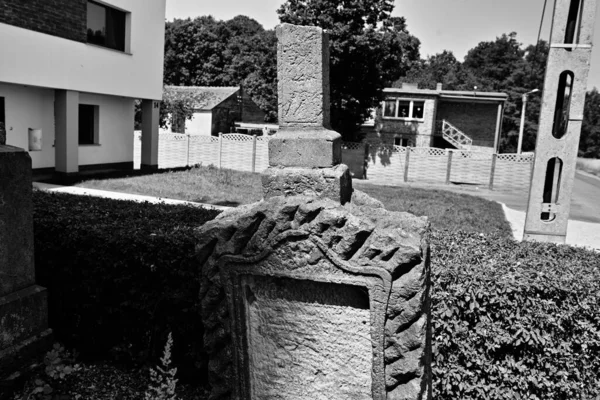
x,y
118,196
579,233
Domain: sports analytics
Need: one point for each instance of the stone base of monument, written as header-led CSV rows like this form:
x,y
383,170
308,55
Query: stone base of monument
x,y
334,183
304,298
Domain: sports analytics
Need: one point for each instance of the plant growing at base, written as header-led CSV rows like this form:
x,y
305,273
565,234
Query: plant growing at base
x,y
162,378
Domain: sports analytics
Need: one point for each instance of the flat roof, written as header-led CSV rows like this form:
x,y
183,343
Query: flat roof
x,y
451,95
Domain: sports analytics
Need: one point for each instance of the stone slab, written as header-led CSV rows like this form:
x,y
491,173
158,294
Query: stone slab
x,y
333,183
302,76
16,221
284,274
329,354
20,355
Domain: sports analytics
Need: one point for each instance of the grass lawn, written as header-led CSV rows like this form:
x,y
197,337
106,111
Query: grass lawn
x,y
446,210
199,184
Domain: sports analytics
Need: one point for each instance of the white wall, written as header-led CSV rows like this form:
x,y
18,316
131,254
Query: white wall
x,y
116,125
200,124
37,59
26,108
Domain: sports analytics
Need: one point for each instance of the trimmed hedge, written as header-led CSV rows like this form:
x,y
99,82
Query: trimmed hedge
x,y
510,320
514,320
120,275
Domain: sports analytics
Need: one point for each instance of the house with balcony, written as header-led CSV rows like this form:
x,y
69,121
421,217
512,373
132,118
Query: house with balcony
x,y
465,120
70,73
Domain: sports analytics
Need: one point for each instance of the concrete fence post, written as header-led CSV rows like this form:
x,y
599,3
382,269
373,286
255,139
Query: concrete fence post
x,y
493,171
253,153
449,167
220,149
187,137
406,162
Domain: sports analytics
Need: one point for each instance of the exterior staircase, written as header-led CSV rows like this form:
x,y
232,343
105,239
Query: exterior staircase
x,y
455,137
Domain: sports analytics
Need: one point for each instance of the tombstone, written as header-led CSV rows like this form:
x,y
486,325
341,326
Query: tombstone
x,y
316,292
561,117
23,304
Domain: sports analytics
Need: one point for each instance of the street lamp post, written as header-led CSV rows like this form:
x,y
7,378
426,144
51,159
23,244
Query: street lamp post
x,y
522,127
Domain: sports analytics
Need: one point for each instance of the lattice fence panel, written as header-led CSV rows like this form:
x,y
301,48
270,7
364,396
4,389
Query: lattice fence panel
x,y
137,149
172,150
427,164
236,152
471,167
513,171
262,153
204,150
386,164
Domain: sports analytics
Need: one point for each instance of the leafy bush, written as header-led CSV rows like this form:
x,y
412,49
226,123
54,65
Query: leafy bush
x,y
514,320
120,275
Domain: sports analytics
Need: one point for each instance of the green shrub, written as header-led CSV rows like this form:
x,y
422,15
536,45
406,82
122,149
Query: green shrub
x,y
514,320
120,275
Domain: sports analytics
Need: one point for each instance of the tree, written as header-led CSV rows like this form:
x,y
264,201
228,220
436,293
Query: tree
x,y
238,52
368,50
589,145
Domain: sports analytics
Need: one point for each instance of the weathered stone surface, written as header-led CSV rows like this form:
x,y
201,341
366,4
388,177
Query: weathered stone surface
x,y
22,314
308,148
304,138
302,76
296,290
16,221
333,183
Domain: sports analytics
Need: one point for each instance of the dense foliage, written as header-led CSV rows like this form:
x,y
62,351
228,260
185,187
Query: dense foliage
x,y
514,320
504,65
510,320
209,52
121,275
369,49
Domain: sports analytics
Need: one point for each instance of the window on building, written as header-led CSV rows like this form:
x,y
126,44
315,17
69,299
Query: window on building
x,y
400,141
106,26
88,124
389,108
404,109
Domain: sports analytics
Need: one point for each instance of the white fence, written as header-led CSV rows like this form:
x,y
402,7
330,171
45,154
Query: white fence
x,y
385,164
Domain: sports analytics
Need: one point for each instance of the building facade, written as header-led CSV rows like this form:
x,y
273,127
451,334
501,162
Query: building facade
x,y
437,118
217,109
70,73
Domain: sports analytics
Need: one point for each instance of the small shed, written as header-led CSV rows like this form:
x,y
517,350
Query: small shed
x,y
217,109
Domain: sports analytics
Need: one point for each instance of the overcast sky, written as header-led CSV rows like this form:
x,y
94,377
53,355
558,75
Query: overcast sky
x,y
456,25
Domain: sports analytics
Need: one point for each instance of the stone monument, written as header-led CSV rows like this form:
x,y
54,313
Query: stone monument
x,y
561,117
316,292
23,304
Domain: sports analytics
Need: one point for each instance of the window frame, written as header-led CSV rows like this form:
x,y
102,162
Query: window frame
x,y
95,128
411,109
126,34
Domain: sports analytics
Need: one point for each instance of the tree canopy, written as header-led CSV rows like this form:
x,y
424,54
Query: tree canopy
x,y
369,49
209,52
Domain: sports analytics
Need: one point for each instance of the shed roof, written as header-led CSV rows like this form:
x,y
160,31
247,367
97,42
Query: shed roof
x,y
207,97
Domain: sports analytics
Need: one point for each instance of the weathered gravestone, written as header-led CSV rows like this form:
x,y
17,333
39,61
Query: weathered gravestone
x,y
316,292
23,304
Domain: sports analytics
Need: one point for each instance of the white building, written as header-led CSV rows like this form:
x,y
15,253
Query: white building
x,y
70,71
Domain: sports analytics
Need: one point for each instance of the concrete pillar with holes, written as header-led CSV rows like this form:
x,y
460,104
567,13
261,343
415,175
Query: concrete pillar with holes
x,y
66,150
150,119
560,120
